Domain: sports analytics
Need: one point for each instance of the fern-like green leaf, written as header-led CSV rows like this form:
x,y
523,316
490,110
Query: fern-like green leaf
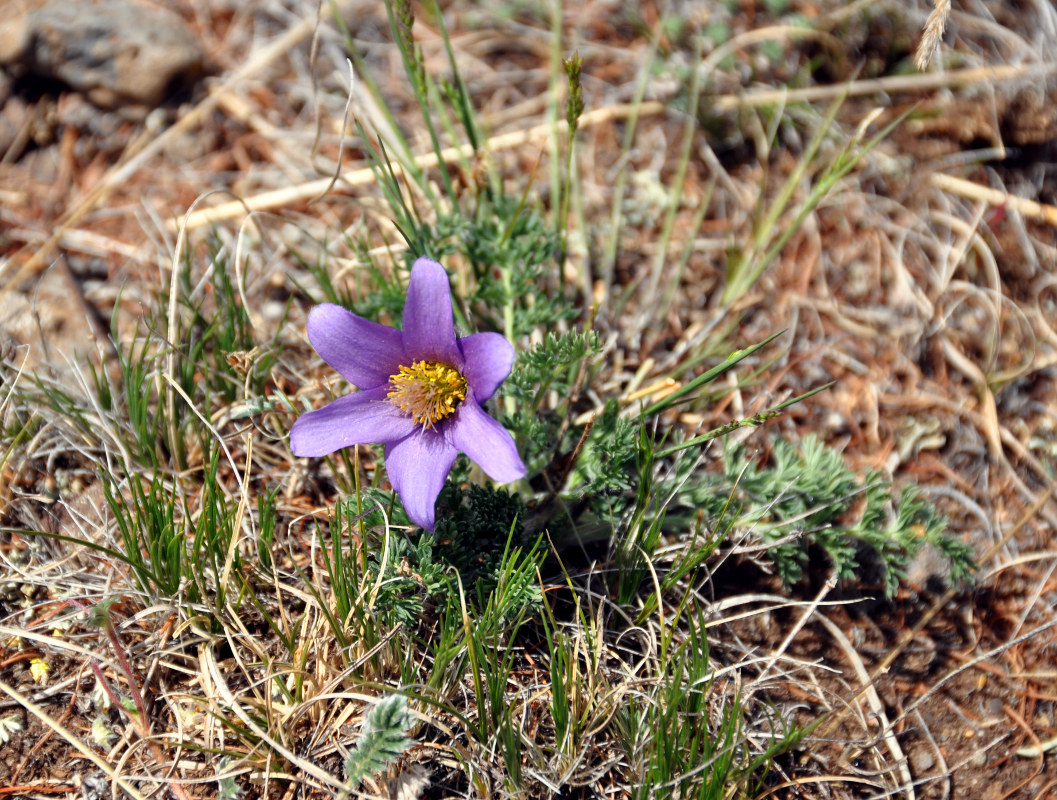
x,y
382,741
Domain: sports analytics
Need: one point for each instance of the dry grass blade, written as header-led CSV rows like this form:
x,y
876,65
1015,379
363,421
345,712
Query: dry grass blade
x,y
56,643
943,772
278,198
1038,750
74,742
890,84
994,197
139,153
877,707
365,176
826,781
208,660
809,611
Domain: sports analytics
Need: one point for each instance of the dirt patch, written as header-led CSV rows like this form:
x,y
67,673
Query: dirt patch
x,y
933,312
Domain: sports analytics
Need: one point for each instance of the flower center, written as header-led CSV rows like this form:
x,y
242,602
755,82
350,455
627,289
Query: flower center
x,y
427,391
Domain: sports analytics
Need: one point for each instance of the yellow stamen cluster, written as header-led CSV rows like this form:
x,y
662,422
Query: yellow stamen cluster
x,y
427,391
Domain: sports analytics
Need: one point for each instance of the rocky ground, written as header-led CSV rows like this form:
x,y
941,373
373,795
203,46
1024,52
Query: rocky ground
x,y
924,285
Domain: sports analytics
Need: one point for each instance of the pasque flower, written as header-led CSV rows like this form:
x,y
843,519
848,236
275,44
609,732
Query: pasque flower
x,y
420,393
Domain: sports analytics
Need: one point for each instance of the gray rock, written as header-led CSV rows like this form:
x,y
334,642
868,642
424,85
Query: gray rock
x,y
118,52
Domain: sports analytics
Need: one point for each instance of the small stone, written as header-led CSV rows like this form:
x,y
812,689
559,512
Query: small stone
x,y
922,760
13,120
14,34
116,51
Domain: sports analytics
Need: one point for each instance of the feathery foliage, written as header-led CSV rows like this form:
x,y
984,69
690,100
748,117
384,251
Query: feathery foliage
x,y
382,740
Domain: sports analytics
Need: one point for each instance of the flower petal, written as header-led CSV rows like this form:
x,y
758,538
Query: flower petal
x,y
429,329
418,466
489,357
364,352
360,418
486,442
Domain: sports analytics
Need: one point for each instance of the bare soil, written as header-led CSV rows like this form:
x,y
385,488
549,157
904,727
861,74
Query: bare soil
x,y
946,380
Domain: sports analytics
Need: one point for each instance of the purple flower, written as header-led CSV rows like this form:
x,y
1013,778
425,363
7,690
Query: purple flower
x,y
420,393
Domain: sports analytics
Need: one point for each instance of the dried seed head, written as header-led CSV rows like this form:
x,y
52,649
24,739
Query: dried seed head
x,y
933,34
